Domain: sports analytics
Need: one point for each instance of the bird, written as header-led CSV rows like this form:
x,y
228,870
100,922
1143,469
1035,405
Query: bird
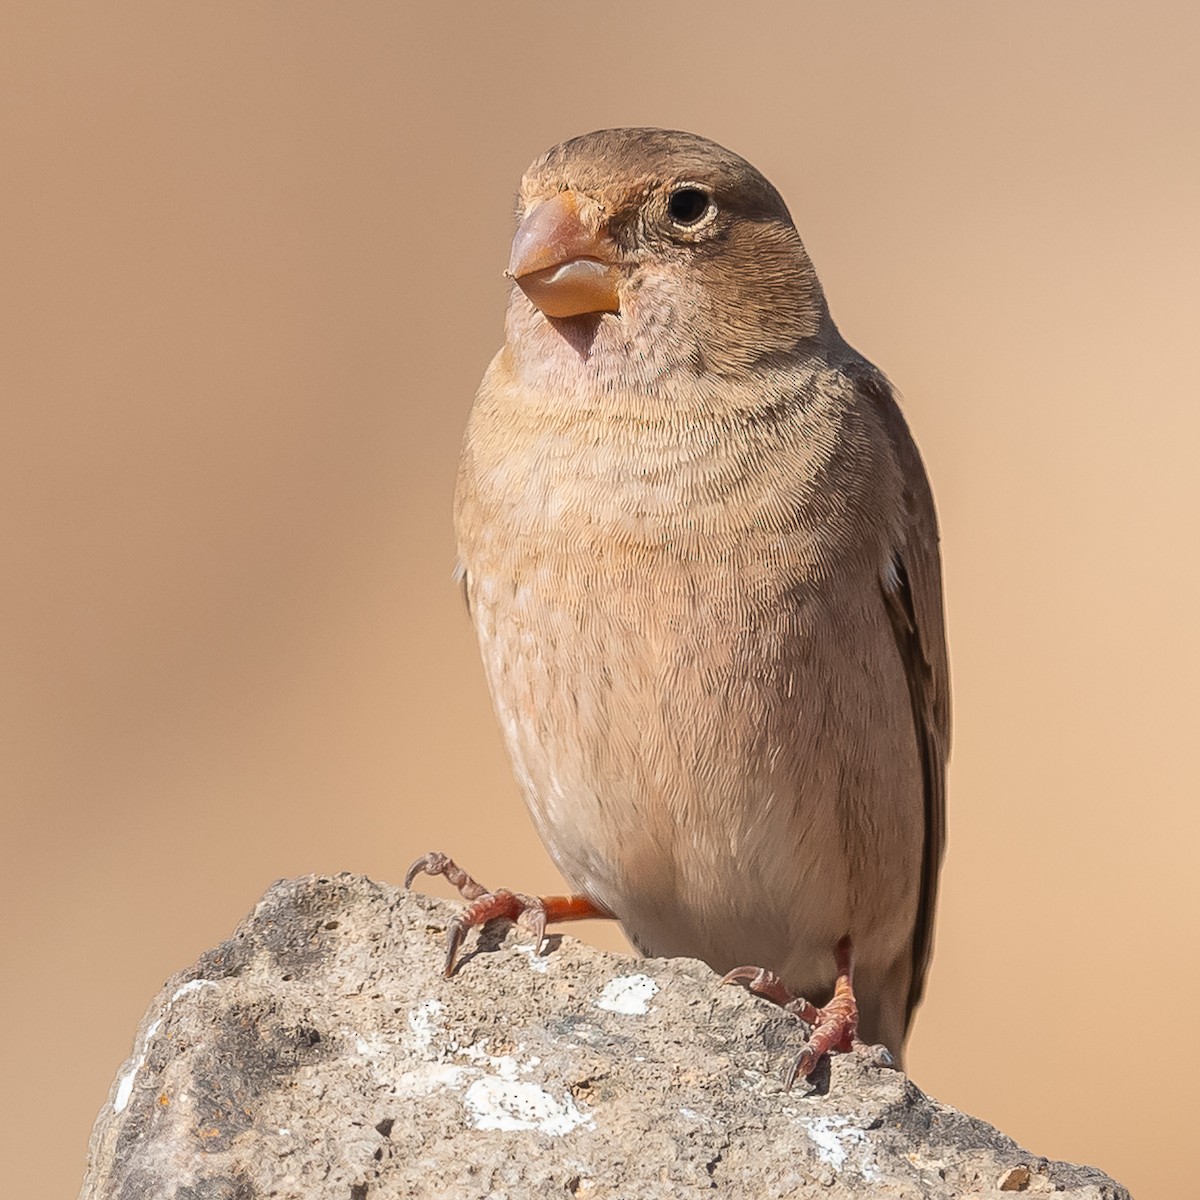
x,y
701,554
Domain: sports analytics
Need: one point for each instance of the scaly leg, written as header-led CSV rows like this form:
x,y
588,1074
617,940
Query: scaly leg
x,y
530,912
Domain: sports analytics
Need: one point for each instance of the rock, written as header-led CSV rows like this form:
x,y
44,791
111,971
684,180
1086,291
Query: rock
x,y
319,1053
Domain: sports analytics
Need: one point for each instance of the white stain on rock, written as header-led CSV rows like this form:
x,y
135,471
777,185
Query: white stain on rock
x,y
192,985
427,1079
628,994
125,1083
496,1103
496,1097
423,1023
835,1139
504,1065
538,962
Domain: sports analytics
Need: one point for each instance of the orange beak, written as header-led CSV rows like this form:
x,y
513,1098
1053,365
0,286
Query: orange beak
x,y
566,267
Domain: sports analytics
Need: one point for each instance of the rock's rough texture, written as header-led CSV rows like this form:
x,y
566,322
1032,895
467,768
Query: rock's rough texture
x,y
319,1053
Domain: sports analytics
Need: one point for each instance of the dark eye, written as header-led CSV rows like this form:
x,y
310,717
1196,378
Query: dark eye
x,y
688,204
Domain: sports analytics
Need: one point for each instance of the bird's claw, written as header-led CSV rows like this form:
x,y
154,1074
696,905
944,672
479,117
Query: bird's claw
x,y
801,1068
834,1027
761,982
879,1054
437,863
527,911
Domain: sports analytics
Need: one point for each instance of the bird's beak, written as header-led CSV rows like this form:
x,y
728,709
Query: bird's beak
x,y
566,265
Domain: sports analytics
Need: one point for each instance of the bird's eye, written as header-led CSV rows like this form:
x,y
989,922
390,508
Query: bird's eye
x,y
688,204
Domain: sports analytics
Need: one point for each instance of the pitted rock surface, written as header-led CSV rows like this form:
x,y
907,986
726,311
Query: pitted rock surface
x,y
319,1053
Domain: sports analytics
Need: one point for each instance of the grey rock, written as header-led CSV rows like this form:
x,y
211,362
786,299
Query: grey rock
x,y
319,1053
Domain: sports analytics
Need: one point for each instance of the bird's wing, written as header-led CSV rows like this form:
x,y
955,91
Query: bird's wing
x,y
912,590
460,579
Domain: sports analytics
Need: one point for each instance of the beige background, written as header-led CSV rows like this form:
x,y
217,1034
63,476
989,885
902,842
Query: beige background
x,y
250,277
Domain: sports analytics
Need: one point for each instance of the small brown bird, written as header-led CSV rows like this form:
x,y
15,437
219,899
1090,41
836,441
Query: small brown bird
x,y
701,555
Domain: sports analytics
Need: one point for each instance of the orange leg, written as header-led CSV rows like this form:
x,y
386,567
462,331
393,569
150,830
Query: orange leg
x,y
530,912
834,1027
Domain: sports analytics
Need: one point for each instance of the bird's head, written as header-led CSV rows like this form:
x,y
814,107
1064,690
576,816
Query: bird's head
x,y
662,234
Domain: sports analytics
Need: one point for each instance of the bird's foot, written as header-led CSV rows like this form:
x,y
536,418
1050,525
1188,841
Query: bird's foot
x,y
834,1026
530,912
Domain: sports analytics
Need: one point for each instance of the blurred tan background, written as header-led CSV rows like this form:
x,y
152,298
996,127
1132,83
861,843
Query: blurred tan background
x,y
250,263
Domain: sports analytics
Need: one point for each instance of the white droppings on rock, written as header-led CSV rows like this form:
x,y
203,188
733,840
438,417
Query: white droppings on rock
x,y
505,1065
835,1138
426,1036
192,985
125,1083
537,962
826,1133
423,1023
432,1077
628,994
496,1103
373,1045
